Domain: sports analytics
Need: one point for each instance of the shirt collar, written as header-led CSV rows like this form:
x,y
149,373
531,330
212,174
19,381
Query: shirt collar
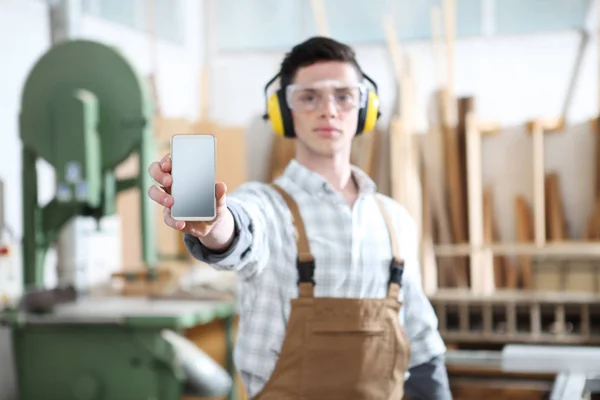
x,y
312,182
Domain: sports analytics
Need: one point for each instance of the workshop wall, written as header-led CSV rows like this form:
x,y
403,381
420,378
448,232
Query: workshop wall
x,y
513,80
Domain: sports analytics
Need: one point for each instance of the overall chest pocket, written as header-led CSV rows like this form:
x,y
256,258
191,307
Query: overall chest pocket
x,y
348,359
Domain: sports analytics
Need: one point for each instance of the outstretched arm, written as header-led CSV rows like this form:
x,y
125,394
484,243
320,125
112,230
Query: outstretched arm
x,y
248,250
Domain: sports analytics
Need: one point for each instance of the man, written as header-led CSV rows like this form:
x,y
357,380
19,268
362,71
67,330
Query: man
x,y
330,298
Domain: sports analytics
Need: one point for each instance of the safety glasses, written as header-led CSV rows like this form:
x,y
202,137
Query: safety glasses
x,y
345,96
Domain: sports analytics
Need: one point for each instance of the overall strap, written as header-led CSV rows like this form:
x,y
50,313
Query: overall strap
x,y
397,263
305,261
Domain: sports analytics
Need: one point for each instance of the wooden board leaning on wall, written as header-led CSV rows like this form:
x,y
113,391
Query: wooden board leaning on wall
x,y
543,258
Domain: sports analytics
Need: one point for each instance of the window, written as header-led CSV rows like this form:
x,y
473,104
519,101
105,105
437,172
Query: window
x,y
518,16
279,24
168,15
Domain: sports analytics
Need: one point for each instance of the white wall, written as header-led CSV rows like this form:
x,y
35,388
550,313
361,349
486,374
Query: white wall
x,y
513,78
18,56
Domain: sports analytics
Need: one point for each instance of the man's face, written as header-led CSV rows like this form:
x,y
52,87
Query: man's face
x,y
325,100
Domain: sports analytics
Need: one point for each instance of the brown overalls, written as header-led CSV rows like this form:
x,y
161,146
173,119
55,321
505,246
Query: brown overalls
x,y
340,348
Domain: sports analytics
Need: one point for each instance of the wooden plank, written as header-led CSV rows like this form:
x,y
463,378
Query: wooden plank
x,y
466,106
592,231
481,268
434,155
548,125
128,208
456,200
406,188
597,172
582,250
364,153
555,220
283,151
488,128
491,236
429,267
551,275
538,185
523,297
434,189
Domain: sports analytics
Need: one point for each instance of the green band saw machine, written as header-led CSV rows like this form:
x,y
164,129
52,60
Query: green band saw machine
x,y
84,111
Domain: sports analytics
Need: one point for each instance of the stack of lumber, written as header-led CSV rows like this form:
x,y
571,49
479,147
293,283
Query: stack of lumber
x,y
460,212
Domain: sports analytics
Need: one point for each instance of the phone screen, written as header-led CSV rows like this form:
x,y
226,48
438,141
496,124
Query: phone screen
x,y
193,171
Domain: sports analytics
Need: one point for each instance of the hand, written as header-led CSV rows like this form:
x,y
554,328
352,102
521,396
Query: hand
x,y
160,171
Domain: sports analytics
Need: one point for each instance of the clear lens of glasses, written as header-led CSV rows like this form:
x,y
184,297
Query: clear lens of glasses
x,y
311,97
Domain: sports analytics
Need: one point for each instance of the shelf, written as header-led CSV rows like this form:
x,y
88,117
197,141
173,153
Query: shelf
x,y
550,249
519,296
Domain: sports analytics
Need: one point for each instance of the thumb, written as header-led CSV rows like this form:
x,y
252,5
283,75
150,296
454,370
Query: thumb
x,y
220,191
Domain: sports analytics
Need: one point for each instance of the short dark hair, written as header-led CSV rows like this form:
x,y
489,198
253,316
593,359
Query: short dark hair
x,y
314,50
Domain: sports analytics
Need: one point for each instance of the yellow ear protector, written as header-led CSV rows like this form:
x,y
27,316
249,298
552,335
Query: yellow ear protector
x,y
280,115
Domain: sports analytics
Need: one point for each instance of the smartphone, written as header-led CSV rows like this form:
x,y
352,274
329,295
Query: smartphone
x,y
193,168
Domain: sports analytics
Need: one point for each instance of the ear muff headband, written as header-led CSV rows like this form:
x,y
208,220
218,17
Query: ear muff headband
x,y
280,116
277,112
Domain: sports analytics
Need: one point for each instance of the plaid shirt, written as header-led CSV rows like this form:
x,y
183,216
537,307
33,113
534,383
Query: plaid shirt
x,y
352,251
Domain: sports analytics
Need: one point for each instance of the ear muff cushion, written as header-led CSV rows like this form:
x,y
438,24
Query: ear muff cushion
x,y
367,116
280,115
286,115
371,112
362,113
274,113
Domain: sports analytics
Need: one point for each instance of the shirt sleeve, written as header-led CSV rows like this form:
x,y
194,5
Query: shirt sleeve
x,y
249,251
420,320
232,255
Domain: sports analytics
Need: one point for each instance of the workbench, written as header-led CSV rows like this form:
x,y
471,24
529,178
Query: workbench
x,y
109,347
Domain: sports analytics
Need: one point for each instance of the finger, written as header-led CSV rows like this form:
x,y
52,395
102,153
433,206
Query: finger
x,y
159,175
179,225
220,191
165,163
160,196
